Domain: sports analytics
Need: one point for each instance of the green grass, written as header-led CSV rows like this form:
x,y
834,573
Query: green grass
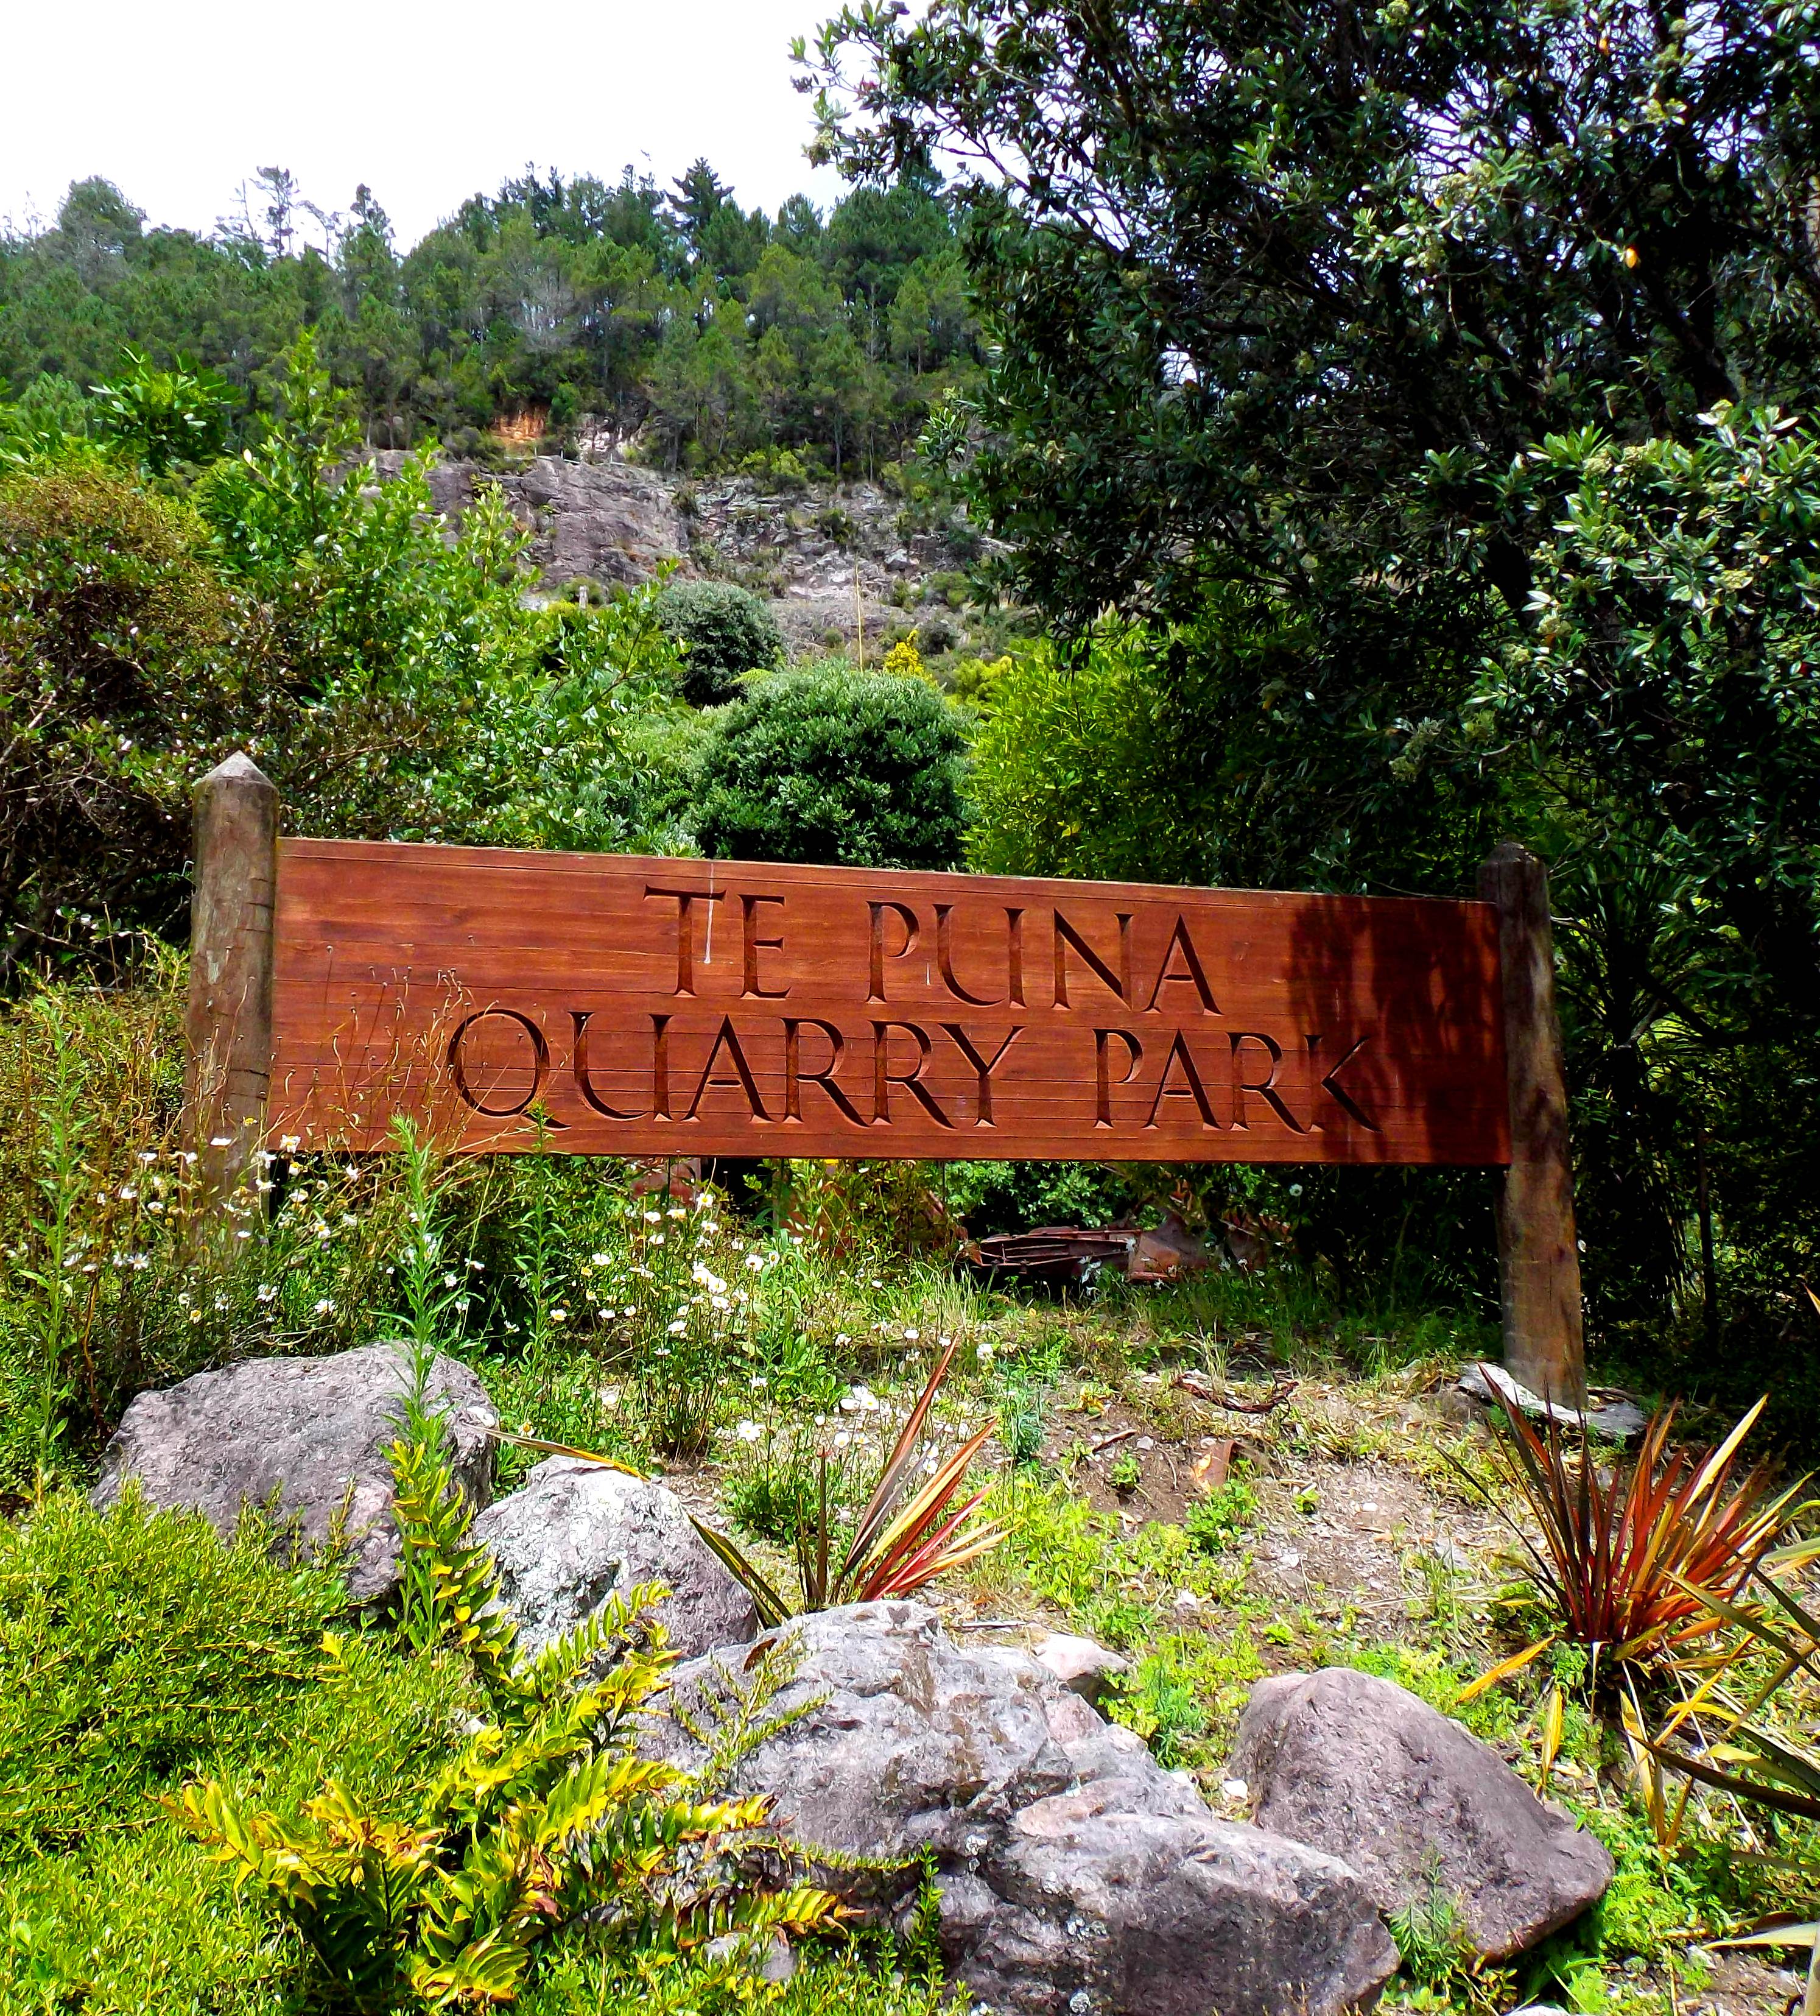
x,y
829,1983
138,1652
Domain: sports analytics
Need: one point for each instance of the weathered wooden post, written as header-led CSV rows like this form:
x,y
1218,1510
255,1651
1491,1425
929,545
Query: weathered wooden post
x,y
228,1020
1538,1255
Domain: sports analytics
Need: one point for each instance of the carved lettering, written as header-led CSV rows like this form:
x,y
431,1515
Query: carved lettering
x,y
660,1068
685,901
540,1051
1102,1070
1265,1088
1190,1088
794,1078
584,1083
884,1077
727,1038
1066,935
907,917
944,959
1340,1096
1191,973
752,945
1014,953
964,1044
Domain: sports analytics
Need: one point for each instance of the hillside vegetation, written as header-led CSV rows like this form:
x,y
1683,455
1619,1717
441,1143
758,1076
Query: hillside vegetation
x,y
1285,446
562,310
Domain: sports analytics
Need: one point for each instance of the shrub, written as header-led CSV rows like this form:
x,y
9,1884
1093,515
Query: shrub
x,y
1630,1557
906,1535
118,647
1078,766
390,683
104,1288
904,661
1018,1197
546,1811
728,632
135,1646
830,765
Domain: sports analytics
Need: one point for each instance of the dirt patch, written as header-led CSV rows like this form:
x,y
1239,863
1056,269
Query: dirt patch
x,y
1366,1538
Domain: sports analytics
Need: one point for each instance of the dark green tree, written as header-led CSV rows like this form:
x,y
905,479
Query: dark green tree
x,y
830,765
697,197
727,630
1394,326
1289,287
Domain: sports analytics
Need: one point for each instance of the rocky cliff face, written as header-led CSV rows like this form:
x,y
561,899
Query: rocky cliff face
x,y
611,524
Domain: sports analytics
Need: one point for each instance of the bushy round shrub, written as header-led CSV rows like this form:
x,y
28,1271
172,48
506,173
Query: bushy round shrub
x,y
121,656
728,632
858,769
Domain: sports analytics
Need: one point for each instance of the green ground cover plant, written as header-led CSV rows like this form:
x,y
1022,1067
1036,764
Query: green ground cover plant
x,y
543,1273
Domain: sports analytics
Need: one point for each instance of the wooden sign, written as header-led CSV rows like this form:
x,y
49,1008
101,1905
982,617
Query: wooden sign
x,y
604,1004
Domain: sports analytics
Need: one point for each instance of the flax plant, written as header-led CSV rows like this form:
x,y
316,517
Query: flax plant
x,y
903,1539
1632,1560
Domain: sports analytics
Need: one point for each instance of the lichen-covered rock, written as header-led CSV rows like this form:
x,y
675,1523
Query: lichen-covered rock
x,y
307,1435
1360,1768
573,1535
1075,1874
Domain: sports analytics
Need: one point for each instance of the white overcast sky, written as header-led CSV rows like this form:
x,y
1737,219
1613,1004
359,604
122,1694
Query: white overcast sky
x,y
179,102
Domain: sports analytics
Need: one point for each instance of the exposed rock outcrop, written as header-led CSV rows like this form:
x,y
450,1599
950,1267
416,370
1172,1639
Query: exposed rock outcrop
x,y
1075,1873
608,521
615,522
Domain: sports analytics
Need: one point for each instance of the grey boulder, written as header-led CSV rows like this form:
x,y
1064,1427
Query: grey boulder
x,y
1074,1873
1358,1767
574,1535
1088,1905
1082,1666
307,1435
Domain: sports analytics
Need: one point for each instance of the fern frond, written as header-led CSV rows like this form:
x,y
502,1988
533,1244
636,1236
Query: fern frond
x,y
627,1627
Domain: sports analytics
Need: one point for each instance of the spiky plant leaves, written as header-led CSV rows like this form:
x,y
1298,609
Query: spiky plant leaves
x,y
1743,1756
894,1550
1621,1553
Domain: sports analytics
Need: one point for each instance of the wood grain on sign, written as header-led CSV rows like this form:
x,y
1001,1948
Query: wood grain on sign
x,y
607,1004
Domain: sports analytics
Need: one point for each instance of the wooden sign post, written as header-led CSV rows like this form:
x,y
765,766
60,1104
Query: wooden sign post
x,y
607,1004
1538,1252
226,1022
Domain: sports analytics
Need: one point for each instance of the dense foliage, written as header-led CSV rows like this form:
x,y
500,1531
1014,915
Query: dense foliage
x,y
862,768
390,681
1291,287
116,670
727,631
554,307
133,1648
1430,383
